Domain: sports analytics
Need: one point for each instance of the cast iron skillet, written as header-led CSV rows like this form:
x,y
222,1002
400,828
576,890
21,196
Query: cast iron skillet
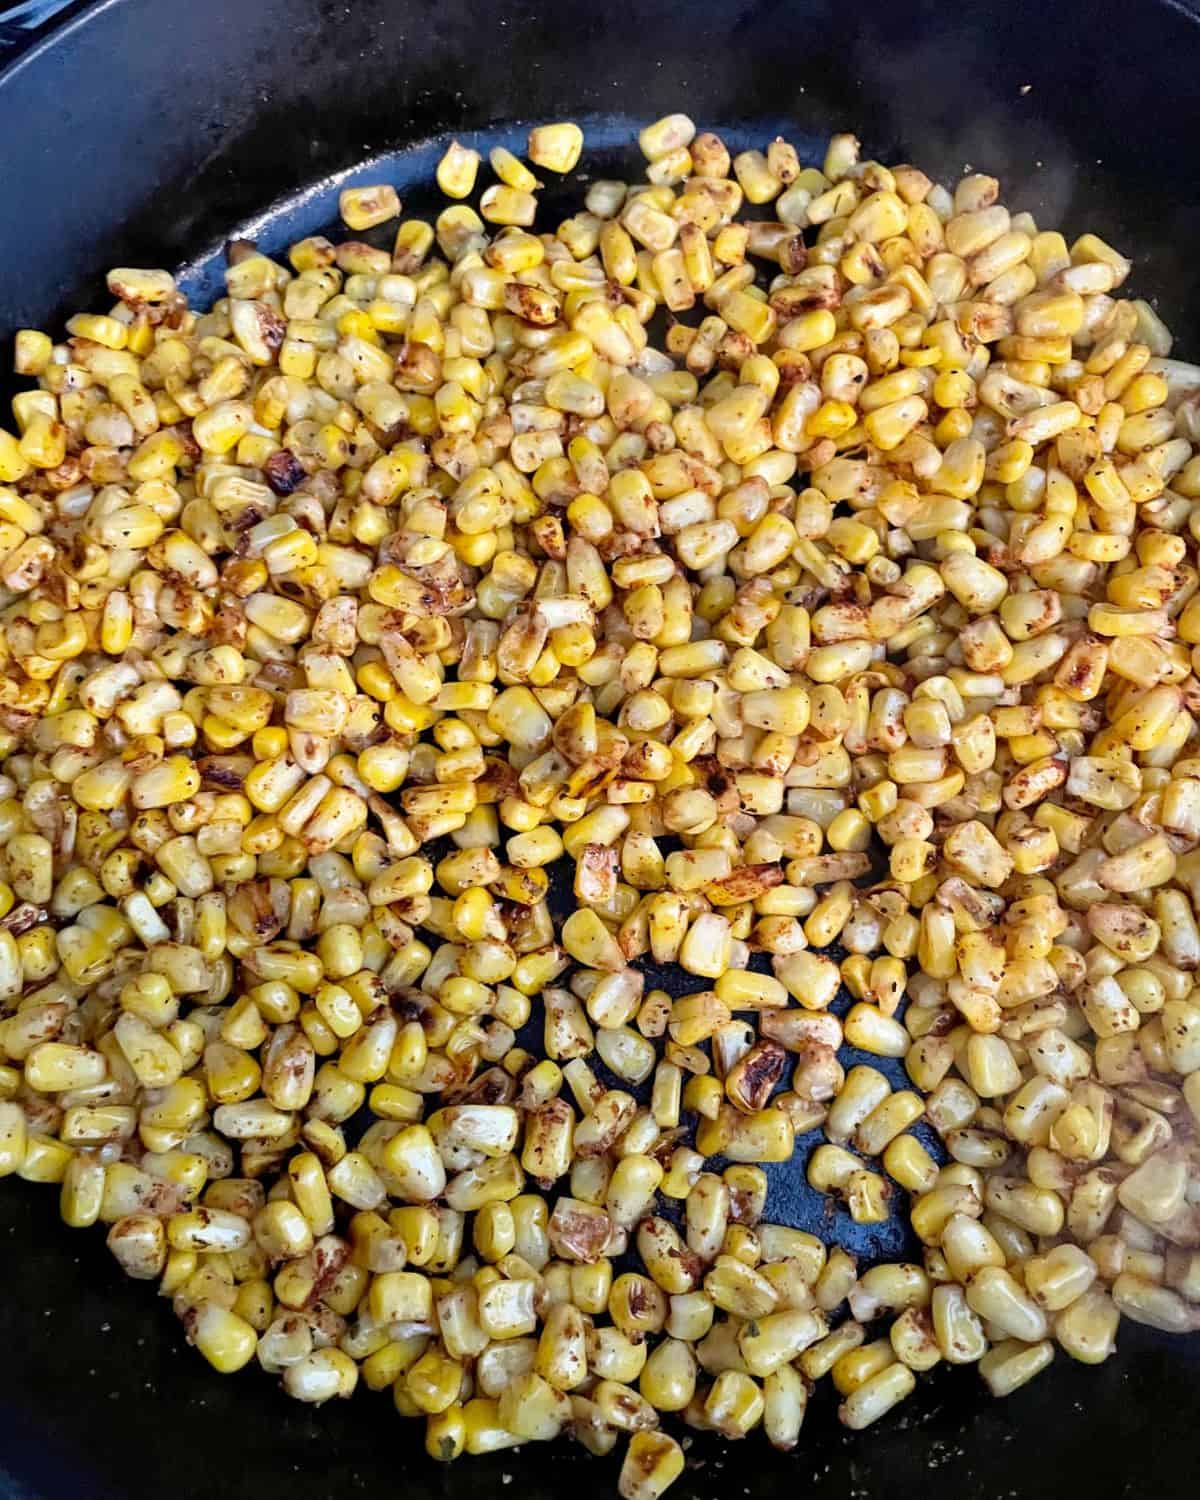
x,y
145,132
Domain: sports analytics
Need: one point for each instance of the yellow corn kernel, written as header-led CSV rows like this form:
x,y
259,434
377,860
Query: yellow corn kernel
x,y
557,148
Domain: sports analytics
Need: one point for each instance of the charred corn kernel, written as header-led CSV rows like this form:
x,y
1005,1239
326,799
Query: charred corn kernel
x,y
652,1463
734,1404
365,207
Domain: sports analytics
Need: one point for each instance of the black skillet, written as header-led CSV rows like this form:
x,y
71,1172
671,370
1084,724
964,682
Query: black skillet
x,y
145,132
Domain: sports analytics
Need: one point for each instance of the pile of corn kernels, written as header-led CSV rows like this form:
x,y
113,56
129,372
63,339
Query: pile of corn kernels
x,y
845,644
